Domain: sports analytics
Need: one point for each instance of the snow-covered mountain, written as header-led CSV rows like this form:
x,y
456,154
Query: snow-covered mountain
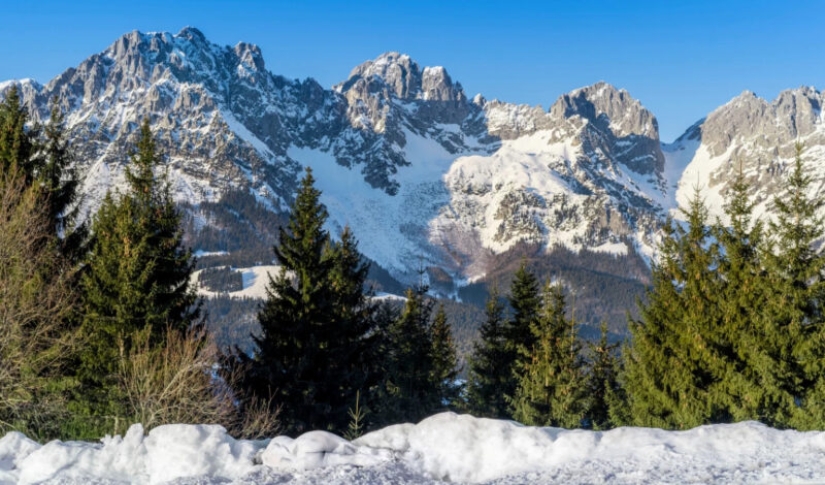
x,y
755,136
423,174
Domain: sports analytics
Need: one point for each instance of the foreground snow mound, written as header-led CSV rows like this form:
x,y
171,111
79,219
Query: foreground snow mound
x,y
466,449
444,448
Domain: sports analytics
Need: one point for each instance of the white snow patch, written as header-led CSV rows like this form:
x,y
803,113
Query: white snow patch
x,y
255,281
445,447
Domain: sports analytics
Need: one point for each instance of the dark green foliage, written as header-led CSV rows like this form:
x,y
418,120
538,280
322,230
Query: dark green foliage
x,y
672,370
59,178
445,359
491,375
733,328
525,303
603,393
551,378
793,321
220,279
18,144
137,270
314,353
410,392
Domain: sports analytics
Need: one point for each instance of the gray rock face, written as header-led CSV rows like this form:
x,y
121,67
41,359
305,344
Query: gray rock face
x,y
758,137
226,123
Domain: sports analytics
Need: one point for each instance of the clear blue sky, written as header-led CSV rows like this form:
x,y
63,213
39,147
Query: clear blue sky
x,y
680,58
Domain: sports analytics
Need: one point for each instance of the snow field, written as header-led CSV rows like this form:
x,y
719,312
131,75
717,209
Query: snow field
x,y
443,448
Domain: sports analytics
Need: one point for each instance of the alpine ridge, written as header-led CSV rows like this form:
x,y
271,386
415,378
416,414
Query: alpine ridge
x,y
425,176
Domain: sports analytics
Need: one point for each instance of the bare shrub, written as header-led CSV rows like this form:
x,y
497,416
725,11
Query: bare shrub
x,y
178,383
35,299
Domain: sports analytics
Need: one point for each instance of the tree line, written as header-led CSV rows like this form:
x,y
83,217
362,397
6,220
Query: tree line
x,y
100,326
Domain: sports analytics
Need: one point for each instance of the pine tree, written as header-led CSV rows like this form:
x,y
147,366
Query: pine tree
x,y
602,389
525,302
137,271
60,180
410,393
315,351
741,297
551,380
674,367
792,321
445,359
490,373
18,143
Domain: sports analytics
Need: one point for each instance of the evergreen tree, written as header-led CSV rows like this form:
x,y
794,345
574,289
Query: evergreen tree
x,y
59,178
18,143
792,368
137,271
525,302
445,359
315,351
490,376
602,389
741,296
409,392
674,366
551,381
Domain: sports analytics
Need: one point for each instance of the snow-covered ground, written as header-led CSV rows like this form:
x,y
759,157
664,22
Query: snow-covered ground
x,y
255,281
446,448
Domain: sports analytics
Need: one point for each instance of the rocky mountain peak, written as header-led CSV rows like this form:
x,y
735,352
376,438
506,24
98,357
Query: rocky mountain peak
x,y
404,78
609,109
747,118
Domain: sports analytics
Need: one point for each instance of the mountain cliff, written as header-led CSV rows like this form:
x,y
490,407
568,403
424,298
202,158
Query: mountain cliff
x,y
425,176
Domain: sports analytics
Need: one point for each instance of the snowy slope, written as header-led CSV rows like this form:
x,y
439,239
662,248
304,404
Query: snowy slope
x,y
393,148
445,448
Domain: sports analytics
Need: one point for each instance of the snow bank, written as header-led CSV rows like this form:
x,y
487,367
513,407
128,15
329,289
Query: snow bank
x,y
444,448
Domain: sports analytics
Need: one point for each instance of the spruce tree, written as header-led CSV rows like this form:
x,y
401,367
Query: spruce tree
x,y
792,366
602,388
525,302
741,297
60,180
490,376
18,143
673,367
409,391
445,359
314,355
137,271
551,379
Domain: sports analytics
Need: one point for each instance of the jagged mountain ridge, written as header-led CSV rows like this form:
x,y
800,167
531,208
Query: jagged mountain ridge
x,y
757,137
424,175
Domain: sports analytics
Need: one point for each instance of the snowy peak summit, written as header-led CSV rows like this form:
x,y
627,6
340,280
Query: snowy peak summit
x,y
404,78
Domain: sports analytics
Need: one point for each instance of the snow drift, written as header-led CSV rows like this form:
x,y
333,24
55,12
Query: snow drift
x,y
444,448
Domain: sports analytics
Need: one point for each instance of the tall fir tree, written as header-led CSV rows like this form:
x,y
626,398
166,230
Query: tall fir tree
x,y
740,297
409,391
18,141
525,302
490,376
138,272
445,359
314,355
551,380
793,323
673,367
603,393
60,179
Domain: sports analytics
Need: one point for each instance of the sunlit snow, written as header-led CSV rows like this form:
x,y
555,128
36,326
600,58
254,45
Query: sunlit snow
x,y
446,448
